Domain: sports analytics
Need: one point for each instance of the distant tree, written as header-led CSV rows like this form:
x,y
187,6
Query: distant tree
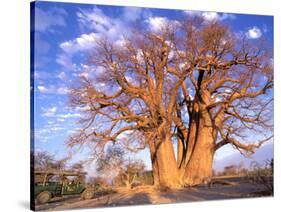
x,y
45,161
111,162
129,172
115,166
230,170
272,165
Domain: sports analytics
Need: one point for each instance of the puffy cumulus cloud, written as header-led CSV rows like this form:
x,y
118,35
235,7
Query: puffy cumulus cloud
x,y
47,20
156,23
96,20
101,26
82,43
254,33
210,16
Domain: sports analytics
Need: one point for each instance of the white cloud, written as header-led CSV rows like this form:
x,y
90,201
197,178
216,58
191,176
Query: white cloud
x,y
94,19
49,112
254,33
225,16
69,115
52,89
62,75
46,20
60,119
62,90
82,43
65,61
192,12
121,43
42,89
156,23
210,16
54,129
84,108
100,25
84,74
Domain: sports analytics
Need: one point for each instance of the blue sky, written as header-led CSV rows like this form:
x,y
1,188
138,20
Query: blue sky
x,y
64,35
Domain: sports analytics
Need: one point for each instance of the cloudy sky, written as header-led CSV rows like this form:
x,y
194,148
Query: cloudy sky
x,y
64,35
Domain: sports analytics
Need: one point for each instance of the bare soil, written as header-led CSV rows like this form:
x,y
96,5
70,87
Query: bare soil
x,y
149,195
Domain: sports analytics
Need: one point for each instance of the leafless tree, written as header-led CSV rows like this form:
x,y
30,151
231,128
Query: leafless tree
x,y
44,161
195,82
114,165
130,171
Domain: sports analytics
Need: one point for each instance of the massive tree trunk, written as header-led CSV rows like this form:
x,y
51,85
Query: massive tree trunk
x,y
199,167
164,165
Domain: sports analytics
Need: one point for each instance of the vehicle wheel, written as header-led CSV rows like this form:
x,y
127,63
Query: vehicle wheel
x,y
43,197
88,194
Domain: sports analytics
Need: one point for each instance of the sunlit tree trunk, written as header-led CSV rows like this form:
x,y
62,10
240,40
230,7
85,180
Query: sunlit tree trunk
x,y
166,161
199,167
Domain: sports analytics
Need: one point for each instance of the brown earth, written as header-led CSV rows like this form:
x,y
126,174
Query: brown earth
x,y
149,195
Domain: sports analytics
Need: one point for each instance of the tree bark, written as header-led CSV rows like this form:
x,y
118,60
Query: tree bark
x,y
164,161
199,167
155,169
180,152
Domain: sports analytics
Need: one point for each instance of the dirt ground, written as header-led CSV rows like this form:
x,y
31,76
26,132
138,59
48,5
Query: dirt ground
x,y
149,195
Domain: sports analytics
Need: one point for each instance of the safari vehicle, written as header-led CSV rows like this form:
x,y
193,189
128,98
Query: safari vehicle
x,y
59,183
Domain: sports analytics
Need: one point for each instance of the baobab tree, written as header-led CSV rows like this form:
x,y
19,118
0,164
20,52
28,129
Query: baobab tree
x,y
192,82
